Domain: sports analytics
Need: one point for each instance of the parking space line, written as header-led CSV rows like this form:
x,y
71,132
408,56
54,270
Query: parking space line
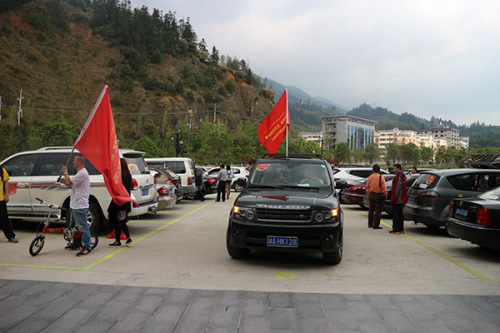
x,y
112,254
442,255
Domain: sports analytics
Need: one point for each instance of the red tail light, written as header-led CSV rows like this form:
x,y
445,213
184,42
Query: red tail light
x,y
134,184
483,216
190,180
211,181
335,179
163,191
450,209
430,195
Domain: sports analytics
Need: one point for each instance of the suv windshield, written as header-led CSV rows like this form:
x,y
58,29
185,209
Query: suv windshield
x,y
288,173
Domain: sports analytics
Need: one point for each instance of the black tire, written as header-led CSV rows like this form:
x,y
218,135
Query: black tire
x,y
37,245
236,252
335,257
239,186
94,217
94,240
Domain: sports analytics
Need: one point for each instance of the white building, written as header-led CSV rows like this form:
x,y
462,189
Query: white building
x,y
384,137
451,135
312,136
357,132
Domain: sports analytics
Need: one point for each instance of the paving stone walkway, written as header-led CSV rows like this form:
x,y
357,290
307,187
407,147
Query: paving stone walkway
x,y
31,306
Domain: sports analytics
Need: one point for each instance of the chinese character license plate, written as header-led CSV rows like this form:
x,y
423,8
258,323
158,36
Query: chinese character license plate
x,y
282,241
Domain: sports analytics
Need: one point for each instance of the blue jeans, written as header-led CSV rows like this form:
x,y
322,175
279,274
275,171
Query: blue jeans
x,y
79,217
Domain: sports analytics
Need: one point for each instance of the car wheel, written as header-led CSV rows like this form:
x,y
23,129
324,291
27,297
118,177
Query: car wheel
x,y
335,257
236,252
239,186
94,217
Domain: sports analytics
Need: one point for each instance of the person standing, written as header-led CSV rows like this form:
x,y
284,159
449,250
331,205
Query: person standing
x,y
398,199
8,231
118,215
79,201
221,187
377,192
229,180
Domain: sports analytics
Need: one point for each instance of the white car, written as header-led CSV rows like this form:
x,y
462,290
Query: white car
x,y
36,174
239,180
353,173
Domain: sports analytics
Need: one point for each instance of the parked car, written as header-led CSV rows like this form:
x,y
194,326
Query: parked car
x,y
355,192
36,174
353,173
209,182
166,189
237,183
168,176
289,203
182,166
477,219
432,192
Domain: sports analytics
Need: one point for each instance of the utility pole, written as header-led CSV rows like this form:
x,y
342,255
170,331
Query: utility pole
x,y
190,112
20,111
215,110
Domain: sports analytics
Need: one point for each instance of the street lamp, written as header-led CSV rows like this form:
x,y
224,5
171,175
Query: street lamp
x,y
178,142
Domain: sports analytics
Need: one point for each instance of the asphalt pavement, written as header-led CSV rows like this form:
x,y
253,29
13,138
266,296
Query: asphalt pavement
x,y
433,283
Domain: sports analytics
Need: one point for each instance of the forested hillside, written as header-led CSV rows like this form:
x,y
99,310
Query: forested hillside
x,y
162,79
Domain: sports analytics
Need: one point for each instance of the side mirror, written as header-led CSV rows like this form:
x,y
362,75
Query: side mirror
x,y
341,183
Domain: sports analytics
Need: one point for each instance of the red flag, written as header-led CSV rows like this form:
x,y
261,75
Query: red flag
x,y
272,130
97,142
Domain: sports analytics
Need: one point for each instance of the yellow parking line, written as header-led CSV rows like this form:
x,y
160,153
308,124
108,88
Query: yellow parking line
x,y
442,255
111,255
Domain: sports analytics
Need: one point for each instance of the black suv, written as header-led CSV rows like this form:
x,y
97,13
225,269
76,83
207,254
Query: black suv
x,y
290,202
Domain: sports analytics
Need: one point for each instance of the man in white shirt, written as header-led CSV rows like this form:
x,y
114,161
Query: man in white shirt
x,y
79,201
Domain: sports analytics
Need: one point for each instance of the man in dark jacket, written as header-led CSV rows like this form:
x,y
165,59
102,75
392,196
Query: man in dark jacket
x,y
398,199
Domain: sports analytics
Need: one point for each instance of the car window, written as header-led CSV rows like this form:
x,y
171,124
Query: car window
x,y
235,171
361,173
487,182
21,165
464,182
50,164
176,166
136,165
426,180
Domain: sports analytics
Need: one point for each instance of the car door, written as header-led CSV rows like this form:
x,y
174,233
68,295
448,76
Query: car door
x,y
20,169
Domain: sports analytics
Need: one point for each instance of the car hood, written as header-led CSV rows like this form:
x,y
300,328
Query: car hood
x,y
290,200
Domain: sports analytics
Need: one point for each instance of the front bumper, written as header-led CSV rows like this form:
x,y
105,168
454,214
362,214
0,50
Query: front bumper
x,y
474,233
244,234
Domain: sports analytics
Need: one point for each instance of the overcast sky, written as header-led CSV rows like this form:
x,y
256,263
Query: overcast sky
x,y
429,58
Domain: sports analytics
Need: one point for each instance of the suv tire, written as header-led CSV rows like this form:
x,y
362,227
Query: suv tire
x,y
236,252
239,186
335,257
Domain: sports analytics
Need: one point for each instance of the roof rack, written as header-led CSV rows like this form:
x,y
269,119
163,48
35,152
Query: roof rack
x,y
319,156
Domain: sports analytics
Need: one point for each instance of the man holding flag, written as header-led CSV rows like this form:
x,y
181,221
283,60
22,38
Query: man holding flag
x,y
79,203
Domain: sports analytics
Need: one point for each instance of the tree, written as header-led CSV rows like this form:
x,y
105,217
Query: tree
x,y
342,152
358,155
427,154
372,152
215,56
392,152
410,153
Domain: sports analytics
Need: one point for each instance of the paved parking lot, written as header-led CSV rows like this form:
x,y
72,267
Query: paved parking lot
x,y
177,276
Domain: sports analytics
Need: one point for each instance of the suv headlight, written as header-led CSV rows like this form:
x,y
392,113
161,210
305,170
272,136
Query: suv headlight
x,y
243,213
327,216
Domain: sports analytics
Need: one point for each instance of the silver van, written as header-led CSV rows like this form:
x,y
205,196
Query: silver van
x,y
35,173
183,167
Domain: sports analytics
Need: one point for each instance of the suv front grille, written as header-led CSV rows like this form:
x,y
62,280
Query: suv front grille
x,y
264,214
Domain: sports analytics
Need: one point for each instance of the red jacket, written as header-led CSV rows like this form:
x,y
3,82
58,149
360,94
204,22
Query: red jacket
x,y
400,179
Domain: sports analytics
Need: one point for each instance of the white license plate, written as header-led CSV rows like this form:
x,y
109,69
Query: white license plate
x,y
144,191
282,241
460,211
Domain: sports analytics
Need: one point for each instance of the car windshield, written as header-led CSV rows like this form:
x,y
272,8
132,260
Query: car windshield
x,y
290,174
491,195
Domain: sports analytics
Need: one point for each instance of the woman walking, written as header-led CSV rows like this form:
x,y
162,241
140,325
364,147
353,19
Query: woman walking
x,y
118,215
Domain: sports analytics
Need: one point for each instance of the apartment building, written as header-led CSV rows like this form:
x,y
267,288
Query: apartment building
x,y
312,136
357,132
451,135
